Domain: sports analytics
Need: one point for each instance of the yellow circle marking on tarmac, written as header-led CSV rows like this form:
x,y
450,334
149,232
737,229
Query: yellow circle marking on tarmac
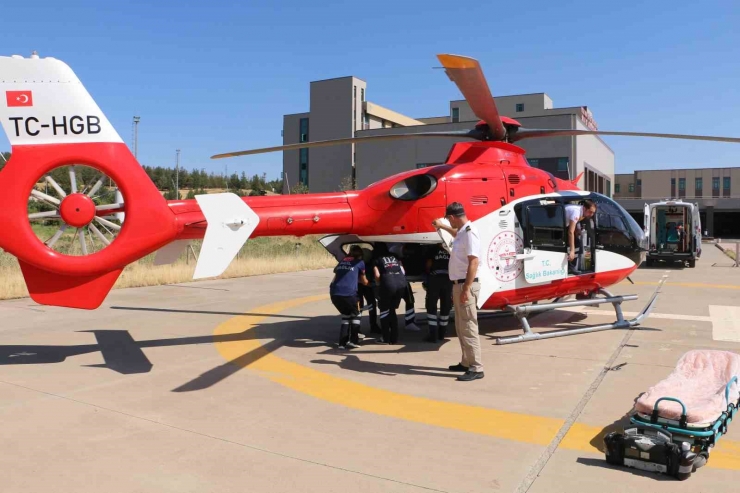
x,y
539,430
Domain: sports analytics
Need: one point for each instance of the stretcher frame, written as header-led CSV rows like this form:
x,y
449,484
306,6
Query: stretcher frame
x,y
703,436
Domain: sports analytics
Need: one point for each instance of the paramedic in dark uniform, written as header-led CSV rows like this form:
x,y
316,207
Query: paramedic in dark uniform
x,y
439,289
463,271
343,290
408,295
574,214
368,292
391,279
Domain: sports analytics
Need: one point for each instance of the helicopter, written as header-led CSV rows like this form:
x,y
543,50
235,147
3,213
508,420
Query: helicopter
x,y
57,130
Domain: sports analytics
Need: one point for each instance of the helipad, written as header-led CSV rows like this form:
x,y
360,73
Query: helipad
x,y
236,385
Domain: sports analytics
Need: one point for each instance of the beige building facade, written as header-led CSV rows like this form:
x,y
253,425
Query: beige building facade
x,y
716,190
339,108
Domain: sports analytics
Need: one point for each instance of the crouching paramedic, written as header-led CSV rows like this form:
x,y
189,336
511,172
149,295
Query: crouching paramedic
x,y
439,289
343,290
391,278
368,292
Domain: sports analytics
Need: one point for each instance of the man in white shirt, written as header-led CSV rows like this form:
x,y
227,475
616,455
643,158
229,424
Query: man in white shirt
x,y
574,214
463,270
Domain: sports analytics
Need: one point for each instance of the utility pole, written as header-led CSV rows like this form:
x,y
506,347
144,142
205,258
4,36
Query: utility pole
x,y
177,175
136,136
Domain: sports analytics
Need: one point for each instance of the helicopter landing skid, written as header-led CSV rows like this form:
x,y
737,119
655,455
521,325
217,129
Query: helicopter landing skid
x,y
523,311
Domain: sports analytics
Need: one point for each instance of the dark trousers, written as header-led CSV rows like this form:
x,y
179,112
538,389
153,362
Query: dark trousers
x,y
368,294
439,289
349,309
389,299
408,298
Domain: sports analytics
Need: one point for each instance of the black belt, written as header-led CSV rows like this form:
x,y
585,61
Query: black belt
x,y
462,281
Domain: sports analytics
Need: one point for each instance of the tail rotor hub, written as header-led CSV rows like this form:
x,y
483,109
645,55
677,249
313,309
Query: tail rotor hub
x,y
77,210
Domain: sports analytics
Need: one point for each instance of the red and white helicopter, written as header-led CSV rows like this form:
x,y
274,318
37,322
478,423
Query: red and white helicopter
x,y
52,122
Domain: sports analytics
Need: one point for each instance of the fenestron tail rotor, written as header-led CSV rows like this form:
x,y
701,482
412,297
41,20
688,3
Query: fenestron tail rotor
x,y
71,215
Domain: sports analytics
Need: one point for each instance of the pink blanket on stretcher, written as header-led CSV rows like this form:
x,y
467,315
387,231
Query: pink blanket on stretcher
x,y
699,381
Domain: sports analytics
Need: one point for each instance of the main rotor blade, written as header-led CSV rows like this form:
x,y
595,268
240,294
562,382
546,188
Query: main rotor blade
x,y
472,134
466,73
528,134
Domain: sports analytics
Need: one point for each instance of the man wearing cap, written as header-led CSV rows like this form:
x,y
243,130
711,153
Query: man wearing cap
x,y
463,272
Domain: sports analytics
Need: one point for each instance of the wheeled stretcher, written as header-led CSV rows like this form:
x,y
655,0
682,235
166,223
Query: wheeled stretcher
x,y
679,420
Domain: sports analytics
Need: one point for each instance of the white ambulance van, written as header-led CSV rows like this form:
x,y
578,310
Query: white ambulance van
x,y
673,230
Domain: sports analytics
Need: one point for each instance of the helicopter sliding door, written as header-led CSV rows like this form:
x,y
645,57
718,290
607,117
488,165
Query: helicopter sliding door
x,y
545,228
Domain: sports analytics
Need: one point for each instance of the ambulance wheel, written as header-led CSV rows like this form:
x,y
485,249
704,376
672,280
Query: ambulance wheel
x,y
692,263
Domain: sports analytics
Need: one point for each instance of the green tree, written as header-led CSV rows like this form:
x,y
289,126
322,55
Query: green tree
x,y
299,188
4,157
347,183
171,194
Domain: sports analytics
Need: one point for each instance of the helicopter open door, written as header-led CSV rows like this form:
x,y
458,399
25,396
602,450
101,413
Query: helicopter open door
x,y
646,223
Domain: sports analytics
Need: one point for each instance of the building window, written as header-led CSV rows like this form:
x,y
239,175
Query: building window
x,y
673,187
632,188
616,188
639,187
562,164
533,162
715,186
304,130
698,186
608,188
519,107
682,187
303,168
366,121
362,94
455,115
726,186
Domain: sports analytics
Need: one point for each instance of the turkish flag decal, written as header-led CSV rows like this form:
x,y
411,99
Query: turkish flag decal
x,y
19,98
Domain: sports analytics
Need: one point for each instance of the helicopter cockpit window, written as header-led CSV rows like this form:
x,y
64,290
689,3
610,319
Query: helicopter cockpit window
x,y
414,187
612,230
546,226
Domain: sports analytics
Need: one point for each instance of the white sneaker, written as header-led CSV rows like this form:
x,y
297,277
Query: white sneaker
x,y
412,327
352,345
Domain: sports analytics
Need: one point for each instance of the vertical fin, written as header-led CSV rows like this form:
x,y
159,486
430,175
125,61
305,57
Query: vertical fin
x,y
50,288
230,222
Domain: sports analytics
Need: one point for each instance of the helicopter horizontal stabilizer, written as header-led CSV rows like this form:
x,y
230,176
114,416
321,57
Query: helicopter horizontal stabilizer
x,y
230,223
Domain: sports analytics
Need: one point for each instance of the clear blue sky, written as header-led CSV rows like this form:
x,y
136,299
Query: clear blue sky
x,y
211,77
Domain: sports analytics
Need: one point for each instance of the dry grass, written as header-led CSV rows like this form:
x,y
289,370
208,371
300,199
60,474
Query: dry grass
x,y
258,256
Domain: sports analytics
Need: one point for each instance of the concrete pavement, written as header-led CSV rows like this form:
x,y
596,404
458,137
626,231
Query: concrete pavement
x,y
236,385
